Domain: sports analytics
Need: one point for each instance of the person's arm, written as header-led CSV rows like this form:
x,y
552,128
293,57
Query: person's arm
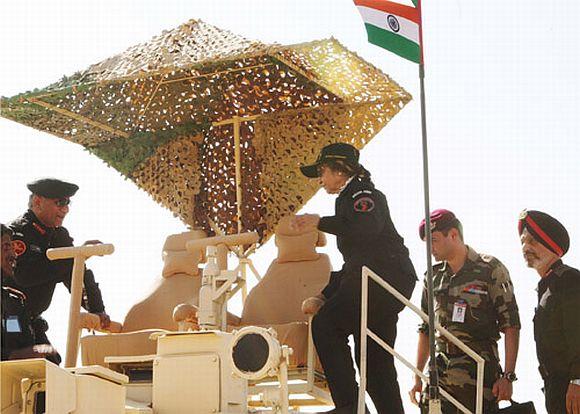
x,y
422,349
503,388
34,351
94,296
502,295
512,343
332,285
422,358
361,216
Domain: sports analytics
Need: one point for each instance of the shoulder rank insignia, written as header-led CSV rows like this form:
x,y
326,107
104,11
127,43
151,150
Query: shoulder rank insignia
x,y
19,247
38,228
355,195
364,205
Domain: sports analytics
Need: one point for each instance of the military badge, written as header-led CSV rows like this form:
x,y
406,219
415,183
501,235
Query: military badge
x,y
364,205
475,289
19,247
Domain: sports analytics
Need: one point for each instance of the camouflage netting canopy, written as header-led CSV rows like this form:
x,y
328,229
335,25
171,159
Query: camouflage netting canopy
x,y
167,114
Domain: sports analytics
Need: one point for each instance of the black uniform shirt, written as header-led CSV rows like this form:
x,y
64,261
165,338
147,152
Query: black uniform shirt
x,y
16,325
37,276
366,235
557,322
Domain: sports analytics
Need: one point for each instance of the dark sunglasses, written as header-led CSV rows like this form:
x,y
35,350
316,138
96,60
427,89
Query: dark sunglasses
x,y
62,202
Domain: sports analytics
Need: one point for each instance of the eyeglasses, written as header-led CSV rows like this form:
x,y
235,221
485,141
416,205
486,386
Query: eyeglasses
x,y
62,202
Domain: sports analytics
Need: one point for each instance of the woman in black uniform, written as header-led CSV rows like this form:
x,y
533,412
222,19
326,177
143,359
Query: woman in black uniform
x,y
365,236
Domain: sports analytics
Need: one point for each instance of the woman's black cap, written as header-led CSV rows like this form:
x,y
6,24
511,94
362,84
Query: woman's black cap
x,y
334,152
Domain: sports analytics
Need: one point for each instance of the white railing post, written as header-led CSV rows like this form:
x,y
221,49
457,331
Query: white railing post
x,y
363,342
365,332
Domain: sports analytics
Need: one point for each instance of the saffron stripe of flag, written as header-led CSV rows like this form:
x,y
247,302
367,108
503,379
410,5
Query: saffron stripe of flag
x,y
392,26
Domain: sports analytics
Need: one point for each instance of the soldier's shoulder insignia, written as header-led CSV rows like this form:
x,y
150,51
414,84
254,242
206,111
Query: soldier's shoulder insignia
x,y
364,204
38,228
486,258
361,192
438,266
19,247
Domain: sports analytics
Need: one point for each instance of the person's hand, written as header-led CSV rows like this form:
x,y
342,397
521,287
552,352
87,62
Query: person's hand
x,y
502,389
305,222
573,399
35,351
104,319
91,242
417,388
312,305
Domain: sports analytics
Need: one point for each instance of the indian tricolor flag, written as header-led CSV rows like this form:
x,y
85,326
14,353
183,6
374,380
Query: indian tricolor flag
x,y
392,26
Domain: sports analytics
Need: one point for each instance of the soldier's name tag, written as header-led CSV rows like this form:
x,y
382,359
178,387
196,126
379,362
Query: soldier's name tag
x,y
459,310
13,324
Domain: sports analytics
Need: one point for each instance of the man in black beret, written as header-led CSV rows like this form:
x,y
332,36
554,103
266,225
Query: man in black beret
x,y
557,320
38,230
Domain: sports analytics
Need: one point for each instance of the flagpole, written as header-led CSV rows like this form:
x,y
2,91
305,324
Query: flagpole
x,y
432,390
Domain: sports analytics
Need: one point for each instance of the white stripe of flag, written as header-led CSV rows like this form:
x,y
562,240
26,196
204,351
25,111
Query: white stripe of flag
x,y
407,28
392,26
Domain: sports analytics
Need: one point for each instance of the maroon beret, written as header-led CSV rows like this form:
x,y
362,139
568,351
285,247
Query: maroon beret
x,y
440,219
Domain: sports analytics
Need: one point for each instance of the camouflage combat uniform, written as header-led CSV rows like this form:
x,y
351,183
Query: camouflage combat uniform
x,y
482,297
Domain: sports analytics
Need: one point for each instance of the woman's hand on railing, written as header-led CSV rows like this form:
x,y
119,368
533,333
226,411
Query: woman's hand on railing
x,y
312,305
305,222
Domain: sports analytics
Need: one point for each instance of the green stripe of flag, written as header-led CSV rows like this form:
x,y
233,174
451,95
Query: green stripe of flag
x,y
414,2
393,42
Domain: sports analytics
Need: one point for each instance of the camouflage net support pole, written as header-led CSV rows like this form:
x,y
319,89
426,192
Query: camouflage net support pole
x,y
80,255
236,121
238,157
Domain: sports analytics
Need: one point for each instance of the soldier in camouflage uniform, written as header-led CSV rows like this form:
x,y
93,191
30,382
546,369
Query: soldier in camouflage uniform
x,y
474,300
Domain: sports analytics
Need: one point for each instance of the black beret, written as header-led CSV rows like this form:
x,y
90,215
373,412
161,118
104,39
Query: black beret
x,y
440,219
338,151
545,229
52,188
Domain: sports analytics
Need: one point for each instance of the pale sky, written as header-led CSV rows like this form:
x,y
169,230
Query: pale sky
x,y
502,103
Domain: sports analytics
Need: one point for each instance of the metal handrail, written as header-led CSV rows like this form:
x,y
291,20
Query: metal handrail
x,y
366,332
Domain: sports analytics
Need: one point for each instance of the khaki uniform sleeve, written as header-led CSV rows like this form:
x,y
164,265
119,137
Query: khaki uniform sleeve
x,y
503,298
424,327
